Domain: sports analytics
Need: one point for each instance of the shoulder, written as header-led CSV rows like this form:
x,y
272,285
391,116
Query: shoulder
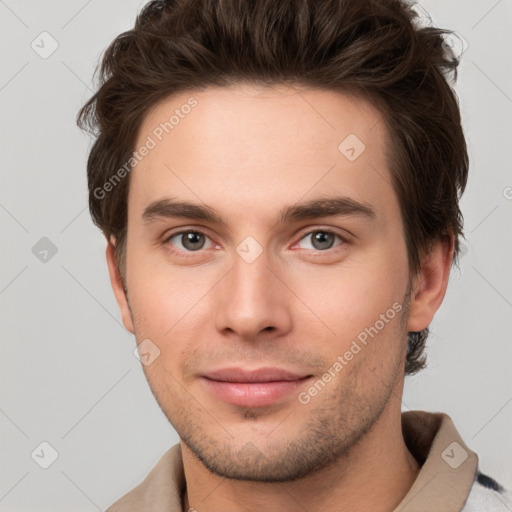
x,y
488,495
160,490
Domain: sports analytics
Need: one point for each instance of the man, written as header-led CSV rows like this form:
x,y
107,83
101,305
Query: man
x,y
278,183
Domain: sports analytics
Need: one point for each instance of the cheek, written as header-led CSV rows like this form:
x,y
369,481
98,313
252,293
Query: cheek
x,y
158,293
163,306
352,296
174,305
170,305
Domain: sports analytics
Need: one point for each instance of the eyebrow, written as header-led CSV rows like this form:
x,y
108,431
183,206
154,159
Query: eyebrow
x,y
323,207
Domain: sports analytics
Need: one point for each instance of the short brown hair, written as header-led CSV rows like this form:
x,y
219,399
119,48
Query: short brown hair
x,y
372,48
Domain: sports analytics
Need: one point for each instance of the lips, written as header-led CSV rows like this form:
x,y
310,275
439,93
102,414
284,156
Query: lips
x,y
253,388
257,375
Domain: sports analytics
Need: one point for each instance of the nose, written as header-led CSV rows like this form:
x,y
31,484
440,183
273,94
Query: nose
x,y
252,300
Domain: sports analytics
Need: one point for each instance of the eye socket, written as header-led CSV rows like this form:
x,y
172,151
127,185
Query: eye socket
x,y
195,240
322,239
191,240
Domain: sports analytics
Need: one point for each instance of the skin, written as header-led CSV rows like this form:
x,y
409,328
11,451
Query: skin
x,y
248,152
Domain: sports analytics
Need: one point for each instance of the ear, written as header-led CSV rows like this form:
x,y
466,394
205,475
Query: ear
x,y
117,286
430,283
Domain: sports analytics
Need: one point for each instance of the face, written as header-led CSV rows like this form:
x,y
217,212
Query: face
x,y
266,263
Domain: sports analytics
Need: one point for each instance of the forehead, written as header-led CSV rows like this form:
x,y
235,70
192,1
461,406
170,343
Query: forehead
x,y
261,145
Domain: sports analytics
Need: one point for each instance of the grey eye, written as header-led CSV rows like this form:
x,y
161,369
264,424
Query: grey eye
x,y
189,240
192,240
321,240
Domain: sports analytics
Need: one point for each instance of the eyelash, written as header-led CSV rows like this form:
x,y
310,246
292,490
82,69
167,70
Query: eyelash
x,y
309,233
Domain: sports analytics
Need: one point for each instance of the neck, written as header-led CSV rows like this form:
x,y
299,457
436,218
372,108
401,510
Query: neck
x,y
375,475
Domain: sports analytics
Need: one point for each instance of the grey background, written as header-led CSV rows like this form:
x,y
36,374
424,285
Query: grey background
x,y
68,373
